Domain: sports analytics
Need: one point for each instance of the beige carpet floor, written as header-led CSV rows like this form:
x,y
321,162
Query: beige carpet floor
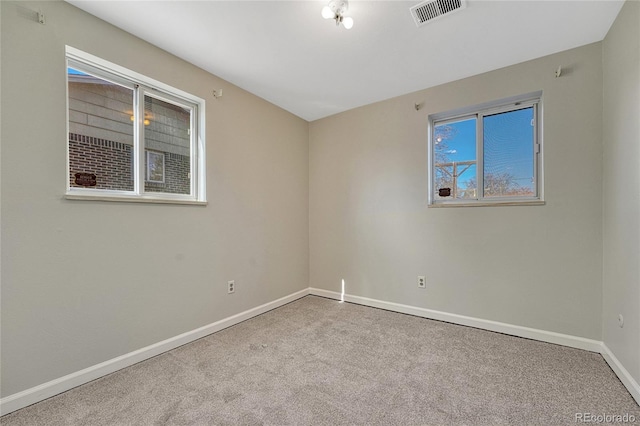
x,y
320,362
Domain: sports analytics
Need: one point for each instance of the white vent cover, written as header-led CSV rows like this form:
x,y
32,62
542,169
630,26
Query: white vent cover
x,y
429,10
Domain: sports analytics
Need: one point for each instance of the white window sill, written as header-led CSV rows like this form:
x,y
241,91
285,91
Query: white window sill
x,y
135,199
487,203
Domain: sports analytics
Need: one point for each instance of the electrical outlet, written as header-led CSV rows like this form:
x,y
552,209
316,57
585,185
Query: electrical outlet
x,y
231,286
422,281
620,320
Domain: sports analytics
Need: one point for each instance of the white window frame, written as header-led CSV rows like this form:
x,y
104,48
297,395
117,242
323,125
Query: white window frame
x,y
478,112
142,86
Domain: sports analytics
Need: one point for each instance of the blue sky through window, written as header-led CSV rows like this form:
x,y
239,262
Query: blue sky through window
x,y
72,71
458,144
507,145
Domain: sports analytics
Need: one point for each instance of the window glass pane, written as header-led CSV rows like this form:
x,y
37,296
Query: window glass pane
x,y
100,133
508,154
455,160
155,167
167,137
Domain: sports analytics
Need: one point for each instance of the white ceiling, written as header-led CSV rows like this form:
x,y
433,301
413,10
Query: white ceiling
x,y
284,52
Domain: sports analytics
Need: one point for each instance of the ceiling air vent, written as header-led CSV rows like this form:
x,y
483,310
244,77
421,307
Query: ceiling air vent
x,y
427,11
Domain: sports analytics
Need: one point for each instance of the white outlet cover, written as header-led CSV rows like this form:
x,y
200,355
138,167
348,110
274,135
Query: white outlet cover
x,y
422,281
620,320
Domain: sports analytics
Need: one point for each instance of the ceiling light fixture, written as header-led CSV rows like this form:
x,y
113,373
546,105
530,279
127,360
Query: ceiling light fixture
x,y
336,10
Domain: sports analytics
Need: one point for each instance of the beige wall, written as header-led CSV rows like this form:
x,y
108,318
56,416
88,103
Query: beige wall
x,y
84,282
533,266
621,140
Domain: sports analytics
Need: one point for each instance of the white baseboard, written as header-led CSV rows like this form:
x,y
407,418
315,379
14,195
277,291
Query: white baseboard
x,y
46,390
515,330
627,380
500,327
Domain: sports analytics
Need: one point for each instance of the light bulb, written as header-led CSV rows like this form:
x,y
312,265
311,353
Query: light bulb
x,y
347,22
327,13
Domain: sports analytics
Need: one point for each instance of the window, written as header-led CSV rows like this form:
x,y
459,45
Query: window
x,y
487,154
130,137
